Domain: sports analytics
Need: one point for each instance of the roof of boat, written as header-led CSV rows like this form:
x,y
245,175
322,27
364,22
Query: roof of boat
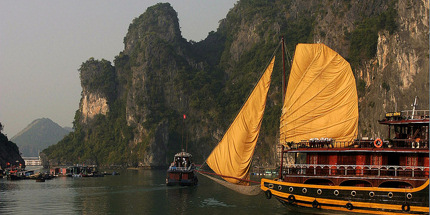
x,y
406,117
183,154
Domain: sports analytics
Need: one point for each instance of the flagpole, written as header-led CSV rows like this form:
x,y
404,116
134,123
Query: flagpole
x,y
183,127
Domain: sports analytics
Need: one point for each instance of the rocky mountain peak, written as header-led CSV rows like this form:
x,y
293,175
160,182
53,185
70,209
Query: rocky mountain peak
x,y
160,20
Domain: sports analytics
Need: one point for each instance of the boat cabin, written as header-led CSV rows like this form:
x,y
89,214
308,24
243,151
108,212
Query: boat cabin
x,y
400,161
181,159
181,170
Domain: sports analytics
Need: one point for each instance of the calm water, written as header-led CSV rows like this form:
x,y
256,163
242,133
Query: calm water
x,y
132,192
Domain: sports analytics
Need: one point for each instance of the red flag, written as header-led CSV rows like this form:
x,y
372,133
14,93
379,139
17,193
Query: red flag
x,y
185,116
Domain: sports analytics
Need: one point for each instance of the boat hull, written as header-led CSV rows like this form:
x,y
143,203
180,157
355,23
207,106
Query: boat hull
x,y
183,178
324,199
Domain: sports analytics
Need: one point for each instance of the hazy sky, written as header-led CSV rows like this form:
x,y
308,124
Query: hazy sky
x,y
43,43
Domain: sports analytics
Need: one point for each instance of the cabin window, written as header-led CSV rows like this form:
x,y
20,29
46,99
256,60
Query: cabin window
x,y
347,159
301,158
425,132
423,160
393,160
376,160
313,159
412,160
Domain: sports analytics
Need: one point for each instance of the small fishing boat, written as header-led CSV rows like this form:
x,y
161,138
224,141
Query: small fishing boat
x,y
78,171
181,171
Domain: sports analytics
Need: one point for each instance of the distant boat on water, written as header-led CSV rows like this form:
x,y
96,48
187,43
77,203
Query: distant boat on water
x,y
181,171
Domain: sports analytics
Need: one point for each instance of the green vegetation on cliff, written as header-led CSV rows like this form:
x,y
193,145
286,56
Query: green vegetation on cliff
x,y
364,38
99,77
104,139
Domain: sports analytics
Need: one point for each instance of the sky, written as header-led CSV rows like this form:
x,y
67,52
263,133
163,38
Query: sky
x,y
43,43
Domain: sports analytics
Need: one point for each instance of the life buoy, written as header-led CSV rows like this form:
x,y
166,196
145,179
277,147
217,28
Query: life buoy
x,y
378,143
291,199
416,144
349,206
268,194
315,204
406,207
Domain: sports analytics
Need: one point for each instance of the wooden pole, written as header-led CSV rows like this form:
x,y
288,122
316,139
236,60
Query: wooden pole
x,y
283,99
283,70
282,161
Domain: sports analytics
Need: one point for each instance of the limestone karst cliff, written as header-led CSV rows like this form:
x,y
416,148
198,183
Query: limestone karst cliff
x,y
9,152
131,112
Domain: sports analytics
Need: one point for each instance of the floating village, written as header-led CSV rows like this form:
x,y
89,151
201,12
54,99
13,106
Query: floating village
x,y
12,172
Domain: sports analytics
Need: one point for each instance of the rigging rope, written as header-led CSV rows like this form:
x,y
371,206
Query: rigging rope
x,y
225,176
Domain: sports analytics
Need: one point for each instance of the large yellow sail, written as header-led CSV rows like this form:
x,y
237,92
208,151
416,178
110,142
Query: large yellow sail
x,y
232,156
321,98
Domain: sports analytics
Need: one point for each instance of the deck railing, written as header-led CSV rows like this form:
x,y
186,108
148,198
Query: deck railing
x,y
356,170
417,114
181,168
393,144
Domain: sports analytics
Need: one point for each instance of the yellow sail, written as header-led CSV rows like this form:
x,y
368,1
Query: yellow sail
x,y
321,98
232,156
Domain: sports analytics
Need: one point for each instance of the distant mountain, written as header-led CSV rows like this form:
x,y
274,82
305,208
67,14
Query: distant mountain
x,y
38,135
69,129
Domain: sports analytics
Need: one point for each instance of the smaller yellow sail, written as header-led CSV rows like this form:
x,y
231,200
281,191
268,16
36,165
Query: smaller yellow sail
x,y
233,154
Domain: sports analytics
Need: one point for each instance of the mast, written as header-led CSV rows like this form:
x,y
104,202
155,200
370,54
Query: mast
x,y
283,99
283,70
183,127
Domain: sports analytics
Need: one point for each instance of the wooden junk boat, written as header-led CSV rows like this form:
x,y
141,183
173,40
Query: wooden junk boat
x,y
323,167
181,171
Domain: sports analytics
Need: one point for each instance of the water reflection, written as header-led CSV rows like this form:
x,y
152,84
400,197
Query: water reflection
x,y
27,196
179,199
